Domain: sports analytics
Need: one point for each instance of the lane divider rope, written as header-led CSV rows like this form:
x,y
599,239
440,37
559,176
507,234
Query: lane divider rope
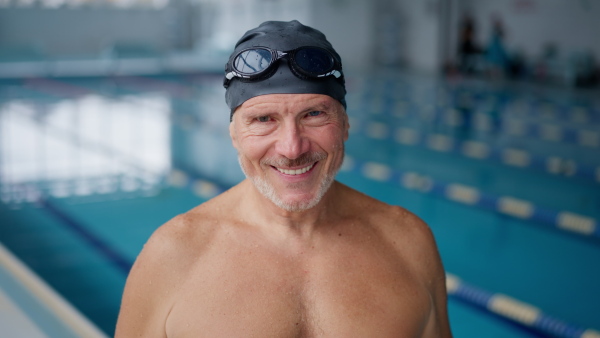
x,y
507,205
515,310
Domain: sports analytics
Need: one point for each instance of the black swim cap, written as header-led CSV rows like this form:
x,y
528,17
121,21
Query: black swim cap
x,y
283,36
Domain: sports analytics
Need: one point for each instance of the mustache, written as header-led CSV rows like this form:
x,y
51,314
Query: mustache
x,y
304,159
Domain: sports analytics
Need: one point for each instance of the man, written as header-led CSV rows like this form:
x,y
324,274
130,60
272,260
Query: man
x,y
288,252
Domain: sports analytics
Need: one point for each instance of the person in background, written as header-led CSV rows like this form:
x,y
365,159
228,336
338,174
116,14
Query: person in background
x,y
497,58
468,50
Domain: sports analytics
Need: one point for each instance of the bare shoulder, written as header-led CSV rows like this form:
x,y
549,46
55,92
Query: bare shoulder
x,y
414,246
164,261
182,238
414,242
178,243
390,217
407,233
414,232
413,239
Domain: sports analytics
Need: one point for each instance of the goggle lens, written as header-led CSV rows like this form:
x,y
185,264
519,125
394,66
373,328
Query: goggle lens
x,y
253,61
314,61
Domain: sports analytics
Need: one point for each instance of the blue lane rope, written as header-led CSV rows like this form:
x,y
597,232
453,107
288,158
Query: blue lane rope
x,y
515,310
507,205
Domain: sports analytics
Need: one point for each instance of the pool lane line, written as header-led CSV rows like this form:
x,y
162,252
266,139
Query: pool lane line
x,y
511,309
516,311
104,248
507,205
480,150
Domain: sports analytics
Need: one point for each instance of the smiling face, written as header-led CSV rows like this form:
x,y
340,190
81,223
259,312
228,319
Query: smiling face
x,y
290,146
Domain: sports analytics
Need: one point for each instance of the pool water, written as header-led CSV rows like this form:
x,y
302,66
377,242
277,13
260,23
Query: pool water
x,y
507,176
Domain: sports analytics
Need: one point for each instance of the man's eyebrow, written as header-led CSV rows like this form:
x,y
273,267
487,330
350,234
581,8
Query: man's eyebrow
x,y
323,105
256,110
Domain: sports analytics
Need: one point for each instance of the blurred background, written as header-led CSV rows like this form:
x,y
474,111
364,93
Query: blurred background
x,y
480,116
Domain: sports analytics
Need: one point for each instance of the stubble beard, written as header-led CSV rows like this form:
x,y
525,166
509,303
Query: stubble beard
x,y
268,190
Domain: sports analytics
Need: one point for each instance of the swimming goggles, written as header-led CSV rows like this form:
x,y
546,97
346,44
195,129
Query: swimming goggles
x,y
256,64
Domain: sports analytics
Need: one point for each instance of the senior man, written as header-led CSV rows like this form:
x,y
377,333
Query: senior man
x,y
288,252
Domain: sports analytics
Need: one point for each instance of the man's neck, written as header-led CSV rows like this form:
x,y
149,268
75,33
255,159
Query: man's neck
x,y
263,213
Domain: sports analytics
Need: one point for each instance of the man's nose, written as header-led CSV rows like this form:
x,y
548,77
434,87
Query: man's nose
x,y
291,143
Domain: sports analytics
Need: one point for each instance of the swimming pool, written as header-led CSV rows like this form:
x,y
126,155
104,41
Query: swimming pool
x,y
507,176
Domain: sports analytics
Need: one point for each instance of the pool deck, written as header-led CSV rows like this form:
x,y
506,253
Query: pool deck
x,y
30,308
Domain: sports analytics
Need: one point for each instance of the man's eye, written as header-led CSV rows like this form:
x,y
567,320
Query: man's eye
x,y
315,113
263,119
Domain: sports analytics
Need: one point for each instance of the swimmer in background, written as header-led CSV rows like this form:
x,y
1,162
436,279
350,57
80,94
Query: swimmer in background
x,y
289,251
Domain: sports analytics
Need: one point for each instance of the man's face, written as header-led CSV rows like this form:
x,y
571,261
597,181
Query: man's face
x,y
290,146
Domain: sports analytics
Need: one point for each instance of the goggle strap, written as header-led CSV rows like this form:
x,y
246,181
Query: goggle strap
x,y
334,72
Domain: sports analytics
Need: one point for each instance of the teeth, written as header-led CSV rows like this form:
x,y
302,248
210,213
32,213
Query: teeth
x,y
295,172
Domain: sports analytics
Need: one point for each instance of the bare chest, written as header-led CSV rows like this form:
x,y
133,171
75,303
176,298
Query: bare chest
x,y
245,293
